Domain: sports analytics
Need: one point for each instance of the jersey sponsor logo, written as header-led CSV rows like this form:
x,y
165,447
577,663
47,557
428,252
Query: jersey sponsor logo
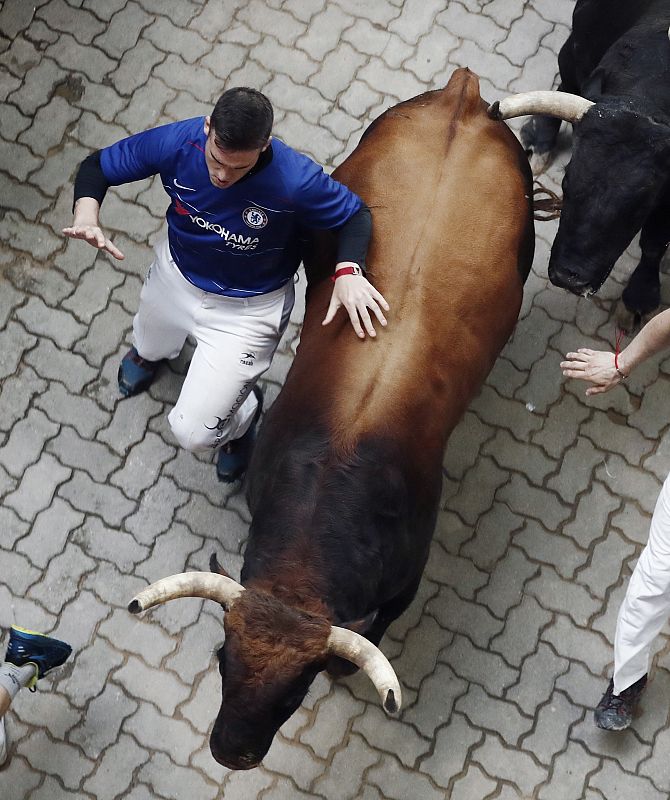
x,y
255,217
236,241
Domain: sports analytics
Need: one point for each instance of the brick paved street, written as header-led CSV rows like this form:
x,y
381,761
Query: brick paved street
x,y
547,496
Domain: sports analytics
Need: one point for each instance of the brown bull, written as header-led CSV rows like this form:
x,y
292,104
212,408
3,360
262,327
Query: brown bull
x,y
345,482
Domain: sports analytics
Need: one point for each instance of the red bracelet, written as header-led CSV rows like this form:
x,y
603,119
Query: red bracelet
x,y
354,269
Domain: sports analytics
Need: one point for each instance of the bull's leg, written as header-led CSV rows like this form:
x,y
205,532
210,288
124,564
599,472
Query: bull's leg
x,y
642,295
390,611
538,137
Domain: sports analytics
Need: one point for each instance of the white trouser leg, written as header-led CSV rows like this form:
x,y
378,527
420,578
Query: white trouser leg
x,y
646,606
168,304
237,338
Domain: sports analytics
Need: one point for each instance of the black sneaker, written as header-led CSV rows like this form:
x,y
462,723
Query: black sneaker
x,y
615,711
136,374
233,458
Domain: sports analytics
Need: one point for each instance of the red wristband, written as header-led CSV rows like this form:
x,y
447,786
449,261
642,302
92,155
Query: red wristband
x,y
354,269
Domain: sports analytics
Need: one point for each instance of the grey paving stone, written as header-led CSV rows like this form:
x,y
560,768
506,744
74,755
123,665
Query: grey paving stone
x,y
473,784
618,438
505,588
552,727
61,579
539,674
12,527
106,501
525,458
128,423
512,765
16,159
464,23
22,198
116,546
123,31
453,571
605,566
49,532
137,635
591,516
343,778
489,713
109,780
527,500
615,784
99,725
577,644
568,775
198,708
14,608
627,482
434,704
104,334
470,503
34,239
15,16
18,774
465,444
478,666
142,465
522,631
52,712
179,11
26,442
567,597
392,736
324,32
56,759
37,487
460,616
174,781
158,686
168,736
62,17
397,782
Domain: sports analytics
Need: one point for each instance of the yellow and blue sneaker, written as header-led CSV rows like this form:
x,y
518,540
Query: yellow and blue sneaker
x,y
31,647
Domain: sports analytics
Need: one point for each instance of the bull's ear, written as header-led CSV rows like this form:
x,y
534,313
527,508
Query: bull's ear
x,y
361,626
214,566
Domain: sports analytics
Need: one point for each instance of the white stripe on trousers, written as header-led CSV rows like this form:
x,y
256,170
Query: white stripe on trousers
x,y
646,606
236,340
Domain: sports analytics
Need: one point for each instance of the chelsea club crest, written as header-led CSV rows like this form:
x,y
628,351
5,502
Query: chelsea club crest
x,y
255,217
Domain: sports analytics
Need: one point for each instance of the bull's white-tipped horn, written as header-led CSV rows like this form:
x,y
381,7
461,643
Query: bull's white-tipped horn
x,y
361,652
187,584
570,107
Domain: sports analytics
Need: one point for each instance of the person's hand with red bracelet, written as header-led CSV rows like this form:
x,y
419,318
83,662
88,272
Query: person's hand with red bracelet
x,y
596,366
352,290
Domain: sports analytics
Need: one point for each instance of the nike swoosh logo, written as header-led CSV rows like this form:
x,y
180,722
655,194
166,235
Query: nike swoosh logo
x,y
179,186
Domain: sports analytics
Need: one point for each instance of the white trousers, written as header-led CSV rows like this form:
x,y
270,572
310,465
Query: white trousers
x,y
236,340
646,606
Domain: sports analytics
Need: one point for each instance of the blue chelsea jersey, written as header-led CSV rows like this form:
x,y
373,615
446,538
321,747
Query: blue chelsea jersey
x,y
238,241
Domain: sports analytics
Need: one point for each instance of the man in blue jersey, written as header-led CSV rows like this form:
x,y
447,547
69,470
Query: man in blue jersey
x,y
225,272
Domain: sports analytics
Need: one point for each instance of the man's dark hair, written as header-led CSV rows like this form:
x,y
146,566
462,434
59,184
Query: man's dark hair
x,y
242,119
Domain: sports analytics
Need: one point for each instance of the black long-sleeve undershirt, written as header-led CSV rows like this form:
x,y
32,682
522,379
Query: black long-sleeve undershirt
x,y
353,237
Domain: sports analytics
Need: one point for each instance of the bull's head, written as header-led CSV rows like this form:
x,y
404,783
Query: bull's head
x,y
619,167
271,654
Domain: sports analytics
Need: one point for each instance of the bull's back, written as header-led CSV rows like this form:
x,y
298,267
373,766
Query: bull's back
x,y
452,240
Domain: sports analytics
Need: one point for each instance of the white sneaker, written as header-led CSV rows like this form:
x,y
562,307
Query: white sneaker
x,y
3,742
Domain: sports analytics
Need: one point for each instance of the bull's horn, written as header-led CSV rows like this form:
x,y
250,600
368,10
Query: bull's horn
x,y
570,107
361,652
187,584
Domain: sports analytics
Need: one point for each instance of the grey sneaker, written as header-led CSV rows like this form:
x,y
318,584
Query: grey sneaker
x,y
615,712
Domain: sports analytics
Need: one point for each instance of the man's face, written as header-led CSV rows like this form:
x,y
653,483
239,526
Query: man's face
x,y
226,167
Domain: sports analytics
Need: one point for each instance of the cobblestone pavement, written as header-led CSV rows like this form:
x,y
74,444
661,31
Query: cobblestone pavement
x,y
547,497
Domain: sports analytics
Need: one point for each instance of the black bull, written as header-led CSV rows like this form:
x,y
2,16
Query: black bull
x,y
345,481
618,180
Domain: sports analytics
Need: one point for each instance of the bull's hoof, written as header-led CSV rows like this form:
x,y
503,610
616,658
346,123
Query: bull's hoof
x,y
631,321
